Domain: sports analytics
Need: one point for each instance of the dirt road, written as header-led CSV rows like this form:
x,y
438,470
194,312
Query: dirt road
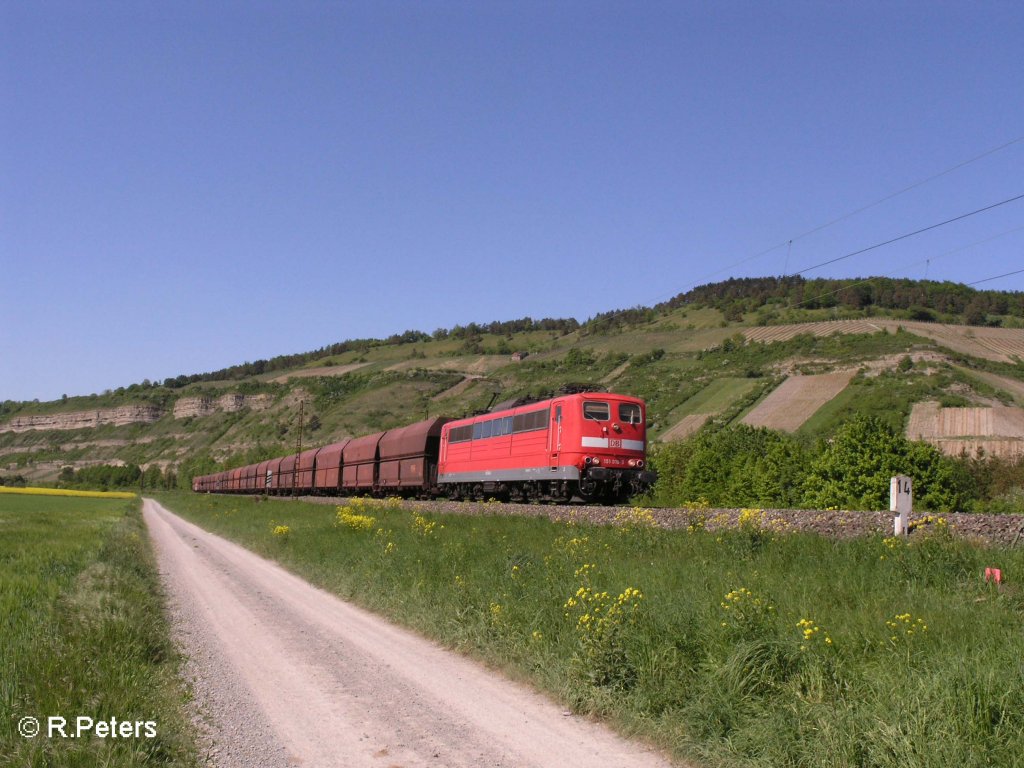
x,y
289,675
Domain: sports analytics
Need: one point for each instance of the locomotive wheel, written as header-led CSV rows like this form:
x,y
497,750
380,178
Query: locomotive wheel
x,y
589,490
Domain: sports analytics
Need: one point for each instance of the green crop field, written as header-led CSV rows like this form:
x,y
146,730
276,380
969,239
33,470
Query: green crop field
x,y
748,647
715,397
83,634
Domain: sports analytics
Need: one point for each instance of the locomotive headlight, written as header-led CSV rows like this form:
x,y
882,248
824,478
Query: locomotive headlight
x,y
639,462
597,461
588,460
632,462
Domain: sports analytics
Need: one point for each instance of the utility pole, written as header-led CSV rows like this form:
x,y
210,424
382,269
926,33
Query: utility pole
x,y
298,447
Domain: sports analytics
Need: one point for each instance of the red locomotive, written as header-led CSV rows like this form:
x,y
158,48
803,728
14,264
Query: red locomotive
x,y
589,447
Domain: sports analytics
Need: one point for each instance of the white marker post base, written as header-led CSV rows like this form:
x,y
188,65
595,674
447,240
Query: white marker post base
x,y
901,502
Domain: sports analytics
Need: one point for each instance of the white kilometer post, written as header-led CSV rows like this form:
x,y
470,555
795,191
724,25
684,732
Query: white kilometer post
x,y
901,501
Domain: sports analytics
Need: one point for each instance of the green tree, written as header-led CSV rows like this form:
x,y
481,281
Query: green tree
x,y
153,477
577,358
854,469
734,466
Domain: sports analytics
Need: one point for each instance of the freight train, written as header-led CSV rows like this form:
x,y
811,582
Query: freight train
x,y
588,447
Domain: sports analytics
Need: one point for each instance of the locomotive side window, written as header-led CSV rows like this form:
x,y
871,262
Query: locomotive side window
x,y
506,425
596,411
533,420
629,413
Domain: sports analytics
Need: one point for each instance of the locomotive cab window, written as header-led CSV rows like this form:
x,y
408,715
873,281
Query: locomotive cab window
x,y
629,413
596,411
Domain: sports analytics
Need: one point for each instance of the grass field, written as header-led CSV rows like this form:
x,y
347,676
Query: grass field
x,y
717,396
82,634
710,401
752,647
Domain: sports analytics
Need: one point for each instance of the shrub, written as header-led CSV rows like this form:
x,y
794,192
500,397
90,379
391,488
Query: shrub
x,y
853,470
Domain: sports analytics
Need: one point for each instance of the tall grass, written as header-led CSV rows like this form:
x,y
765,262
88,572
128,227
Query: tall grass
x,y
82,634
751,647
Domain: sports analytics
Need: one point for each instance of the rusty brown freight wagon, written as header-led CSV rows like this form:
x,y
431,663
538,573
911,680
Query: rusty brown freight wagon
x,y
359,470
408,457
304,472
284,475
327,477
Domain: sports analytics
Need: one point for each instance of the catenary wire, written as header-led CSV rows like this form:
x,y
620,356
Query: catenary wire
x,y
916,263
989,279
929,228
850,214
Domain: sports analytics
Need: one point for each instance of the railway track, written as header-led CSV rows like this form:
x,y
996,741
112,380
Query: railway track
x,y
1000,530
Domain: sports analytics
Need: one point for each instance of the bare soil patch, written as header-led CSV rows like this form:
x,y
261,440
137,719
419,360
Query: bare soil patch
x,y
479,365
327,370
614,374
458,389
796,400
686,427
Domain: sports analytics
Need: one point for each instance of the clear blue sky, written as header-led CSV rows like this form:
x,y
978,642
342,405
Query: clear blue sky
x,y
190,185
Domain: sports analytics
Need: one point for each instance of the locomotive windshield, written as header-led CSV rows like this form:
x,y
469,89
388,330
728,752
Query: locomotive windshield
x,y
629,413
596,411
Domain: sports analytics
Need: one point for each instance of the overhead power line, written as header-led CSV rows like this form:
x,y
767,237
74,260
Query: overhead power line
x,y
989,279
789,242
913,186
916,263
961,217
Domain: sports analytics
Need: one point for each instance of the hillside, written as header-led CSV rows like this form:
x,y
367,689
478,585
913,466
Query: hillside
x,y
800,356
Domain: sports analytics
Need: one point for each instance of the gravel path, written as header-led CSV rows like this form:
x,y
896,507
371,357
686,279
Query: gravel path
x,y
286,675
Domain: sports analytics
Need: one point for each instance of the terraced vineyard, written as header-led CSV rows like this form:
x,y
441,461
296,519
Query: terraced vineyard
x,y
999,344
796,400
769,333
994,431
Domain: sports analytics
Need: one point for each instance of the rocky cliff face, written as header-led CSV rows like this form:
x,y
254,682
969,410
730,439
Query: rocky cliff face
x,y
126,414
137,414
207,406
